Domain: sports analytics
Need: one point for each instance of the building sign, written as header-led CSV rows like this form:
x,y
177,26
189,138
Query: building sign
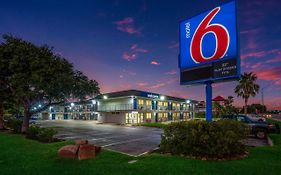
x,y
206,40
149,95
152,96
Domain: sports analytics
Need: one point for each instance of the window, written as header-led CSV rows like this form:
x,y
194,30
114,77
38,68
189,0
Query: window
x,y
140,102
148,117
148,102
162,117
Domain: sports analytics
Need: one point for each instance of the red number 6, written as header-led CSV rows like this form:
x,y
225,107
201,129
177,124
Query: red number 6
x,y
221,35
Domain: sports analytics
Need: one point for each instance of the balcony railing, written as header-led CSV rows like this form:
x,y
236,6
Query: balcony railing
x,y
120,107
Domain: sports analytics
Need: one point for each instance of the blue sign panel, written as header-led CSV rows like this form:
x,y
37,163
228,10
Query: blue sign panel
x,y
209,37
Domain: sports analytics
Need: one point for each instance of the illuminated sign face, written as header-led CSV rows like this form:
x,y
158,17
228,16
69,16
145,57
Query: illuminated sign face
x,y
152,96
209,37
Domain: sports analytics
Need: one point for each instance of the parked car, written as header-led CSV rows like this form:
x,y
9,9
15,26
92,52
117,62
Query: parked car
x,y
257,127
32,120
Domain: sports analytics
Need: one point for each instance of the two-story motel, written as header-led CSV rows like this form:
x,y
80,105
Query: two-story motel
x,y
125,107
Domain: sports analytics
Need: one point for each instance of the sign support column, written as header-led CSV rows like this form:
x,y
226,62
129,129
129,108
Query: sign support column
x,y
209,101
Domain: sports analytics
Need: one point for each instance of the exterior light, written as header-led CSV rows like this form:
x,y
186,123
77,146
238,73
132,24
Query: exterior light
x,y
51,107
105,97
94,102
71,104
39,106
162,97
187,101
35,108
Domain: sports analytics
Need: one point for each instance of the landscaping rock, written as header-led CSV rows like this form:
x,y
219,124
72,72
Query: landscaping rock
x,y
81,142
86,152
69,151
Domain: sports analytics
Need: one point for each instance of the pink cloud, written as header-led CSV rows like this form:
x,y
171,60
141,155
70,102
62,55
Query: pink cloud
x,y
273,74
154,63
257,65
129,56
158,85
253,54
274,60
133,53
142,84
127,25
172,72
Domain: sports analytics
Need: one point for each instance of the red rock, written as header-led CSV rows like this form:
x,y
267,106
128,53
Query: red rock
x,y
86,152
81,142
69,151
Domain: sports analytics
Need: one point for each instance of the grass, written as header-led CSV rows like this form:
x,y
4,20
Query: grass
x,y
21,156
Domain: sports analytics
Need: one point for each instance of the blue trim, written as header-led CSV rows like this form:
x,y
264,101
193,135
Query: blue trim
x,y
156,117
170,116
209,102
135,104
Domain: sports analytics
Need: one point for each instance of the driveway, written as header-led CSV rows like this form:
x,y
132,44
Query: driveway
x,y
133,141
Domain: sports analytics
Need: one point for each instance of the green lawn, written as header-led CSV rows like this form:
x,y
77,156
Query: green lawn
x,y
21,156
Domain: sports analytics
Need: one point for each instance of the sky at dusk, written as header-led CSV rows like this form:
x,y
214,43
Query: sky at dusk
x,y
134,44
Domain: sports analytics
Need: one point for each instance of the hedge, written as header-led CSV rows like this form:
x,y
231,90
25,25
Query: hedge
x,y
201,139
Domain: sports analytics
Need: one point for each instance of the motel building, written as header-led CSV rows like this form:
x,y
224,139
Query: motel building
x,y
125,107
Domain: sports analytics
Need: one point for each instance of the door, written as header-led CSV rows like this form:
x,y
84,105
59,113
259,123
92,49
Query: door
x,y
53,116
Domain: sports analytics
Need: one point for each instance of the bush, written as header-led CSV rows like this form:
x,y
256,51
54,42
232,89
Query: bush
x,y
33,132
215,140
14,124
46,134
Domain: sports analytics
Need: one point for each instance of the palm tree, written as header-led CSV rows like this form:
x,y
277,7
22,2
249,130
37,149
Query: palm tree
x,y
247,87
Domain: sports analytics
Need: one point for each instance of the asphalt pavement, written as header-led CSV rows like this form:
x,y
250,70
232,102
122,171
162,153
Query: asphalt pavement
x,y
133,141
129,140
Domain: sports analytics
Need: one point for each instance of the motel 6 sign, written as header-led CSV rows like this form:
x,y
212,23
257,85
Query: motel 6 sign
x,y
209,38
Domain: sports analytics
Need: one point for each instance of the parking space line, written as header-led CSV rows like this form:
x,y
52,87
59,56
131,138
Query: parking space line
x,y
118,143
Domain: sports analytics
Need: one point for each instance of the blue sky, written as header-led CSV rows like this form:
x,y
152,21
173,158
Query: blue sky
x,y
129,44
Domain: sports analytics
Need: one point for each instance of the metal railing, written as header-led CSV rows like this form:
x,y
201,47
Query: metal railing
x,y
120,107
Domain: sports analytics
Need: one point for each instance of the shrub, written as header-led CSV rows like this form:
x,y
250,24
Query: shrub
x,y
33,132
14,124
46,134
221,139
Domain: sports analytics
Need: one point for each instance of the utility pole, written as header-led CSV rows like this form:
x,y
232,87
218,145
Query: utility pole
x,y
262,97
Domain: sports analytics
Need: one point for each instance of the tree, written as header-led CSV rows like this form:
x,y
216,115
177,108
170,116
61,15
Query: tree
x,y
247,87
5,93
39,78
229,101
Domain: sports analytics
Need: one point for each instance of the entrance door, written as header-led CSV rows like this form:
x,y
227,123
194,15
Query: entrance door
x,y
53,116
131,118
140,117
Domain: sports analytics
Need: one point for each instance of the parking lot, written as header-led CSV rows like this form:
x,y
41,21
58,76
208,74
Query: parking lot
x,y
133,141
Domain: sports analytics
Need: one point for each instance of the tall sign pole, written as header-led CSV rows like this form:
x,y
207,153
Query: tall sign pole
x,y
209,50
209,115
